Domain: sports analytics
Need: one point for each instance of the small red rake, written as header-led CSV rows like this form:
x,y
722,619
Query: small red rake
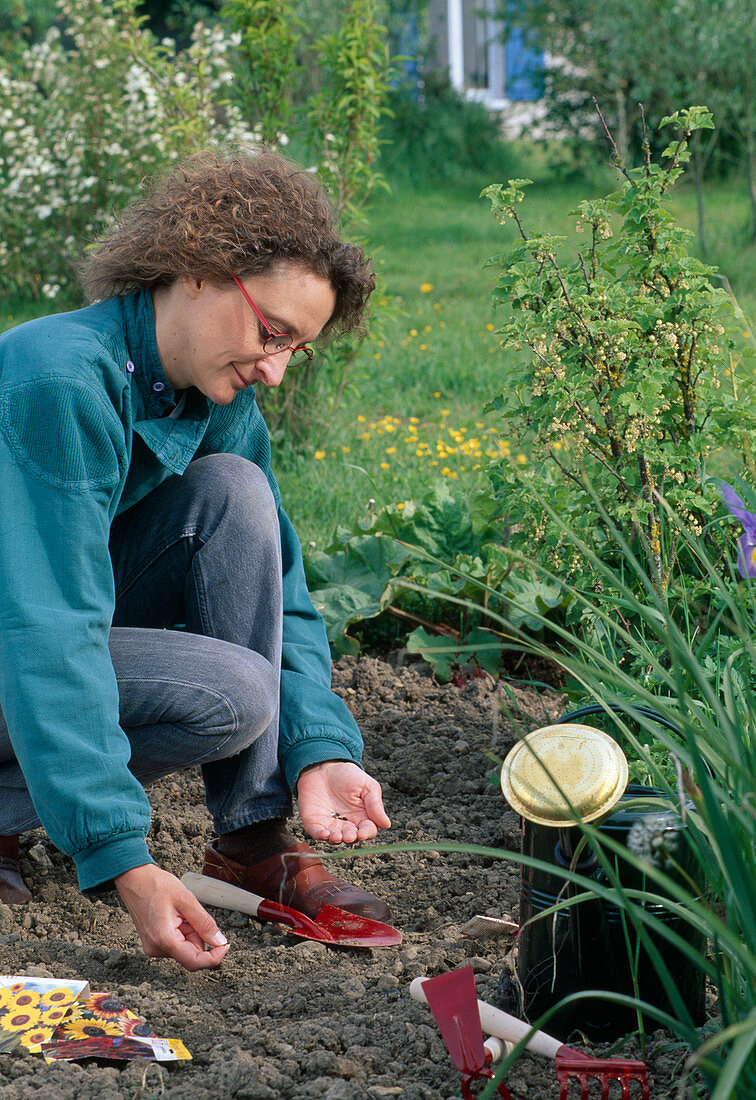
x,y
460,1016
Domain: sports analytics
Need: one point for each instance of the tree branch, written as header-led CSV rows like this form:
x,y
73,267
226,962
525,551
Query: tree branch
x,y
620,164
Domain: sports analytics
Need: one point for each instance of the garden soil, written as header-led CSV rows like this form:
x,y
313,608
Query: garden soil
x,y
288,1019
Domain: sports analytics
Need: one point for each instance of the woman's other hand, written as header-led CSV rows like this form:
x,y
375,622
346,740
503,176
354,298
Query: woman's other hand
x,y
340,803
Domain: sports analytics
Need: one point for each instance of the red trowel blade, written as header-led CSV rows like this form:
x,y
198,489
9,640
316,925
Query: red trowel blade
x,y
453,1000
356,931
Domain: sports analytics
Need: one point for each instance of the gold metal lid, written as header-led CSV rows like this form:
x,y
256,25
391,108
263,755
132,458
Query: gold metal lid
x,y
559,773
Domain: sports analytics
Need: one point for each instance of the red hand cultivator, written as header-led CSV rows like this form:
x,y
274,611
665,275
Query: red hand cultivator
x,y
462,1018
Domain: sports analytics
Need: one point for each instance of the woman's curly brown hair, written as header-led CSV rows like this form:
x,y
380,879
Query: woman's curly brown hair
x,y
217,216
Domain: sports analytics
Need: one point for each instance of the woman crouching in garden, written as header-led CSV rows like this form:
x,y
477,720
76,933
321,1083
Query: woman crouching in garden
x,y
153,608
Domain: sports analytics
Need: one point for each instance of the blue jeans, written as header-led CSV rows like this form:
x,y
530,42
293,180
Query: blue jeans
x,y
201,551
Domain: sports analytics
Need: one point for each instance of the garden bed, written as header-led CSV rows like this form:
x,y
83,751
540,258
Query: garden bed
x,y
288,1020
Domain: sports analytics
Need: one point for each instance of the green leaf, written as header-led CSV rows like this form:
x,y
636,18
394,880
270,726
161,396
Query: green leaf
x,y
354,583
438,650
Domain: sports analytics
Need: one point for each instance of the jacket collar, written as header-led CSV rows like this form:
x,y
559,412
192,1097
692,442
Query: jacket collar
x,y
174,442
157,396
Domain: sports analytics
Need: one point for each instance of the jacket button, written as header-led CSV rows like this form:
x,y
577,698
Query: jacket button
x,y
158,387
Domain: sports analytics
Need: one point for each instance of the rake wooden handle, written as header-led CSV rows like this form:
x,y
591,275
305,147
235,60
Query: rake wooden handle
x,y
497,1048
501,1024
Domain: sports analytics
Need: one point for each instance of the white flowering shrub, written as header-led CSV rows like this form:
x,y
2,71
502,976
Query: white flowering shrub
x,y
86,118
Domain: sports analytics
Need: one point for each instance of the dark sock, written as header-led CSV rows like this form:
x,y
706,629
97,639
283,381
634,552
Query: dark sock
x,y
9,846
254,843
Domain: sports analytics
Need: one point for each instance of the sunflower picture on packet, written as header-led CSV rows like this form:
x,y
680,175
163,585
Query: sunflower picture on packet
x,y
32,1008
103,1027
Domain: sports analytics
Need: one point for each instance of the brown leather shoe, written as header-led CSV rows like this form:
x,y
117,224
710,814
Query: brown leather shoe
x,y
13,889
295,877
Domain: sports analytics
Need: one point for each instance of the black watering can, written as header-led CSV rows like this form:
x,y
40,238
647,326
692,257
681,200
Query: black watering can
x,y
592,944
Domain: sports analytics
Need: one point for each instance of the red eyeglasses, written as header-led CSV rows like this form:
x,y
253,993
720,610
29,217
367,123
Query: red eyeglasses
x,y
275,342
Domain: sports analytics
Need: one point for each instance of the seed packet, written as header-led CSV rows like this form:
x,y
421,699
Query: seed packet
x,y
113,1048
103,1027
31,1009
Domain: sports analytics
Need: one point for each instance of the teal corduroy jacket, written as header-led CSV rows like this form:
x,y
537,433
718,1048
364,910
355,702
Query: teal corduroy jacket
x,y
83,436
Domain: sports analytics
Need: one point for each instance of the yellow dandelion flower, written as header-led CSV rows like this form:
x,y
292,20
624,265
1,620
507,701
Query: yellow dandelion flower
x,y
344,449
414,420
521,460
391,450
377,355
413,332
489,327
319,455
454,473
479,425
426,288
423,347
366,436
419,452
437,393
434,463
400,506
428,328
446,412
381,343
360,418
384,466
390,428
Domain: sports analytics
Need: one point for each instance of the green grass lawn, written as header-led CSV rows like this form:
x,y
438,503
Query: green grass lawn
x,y
412,407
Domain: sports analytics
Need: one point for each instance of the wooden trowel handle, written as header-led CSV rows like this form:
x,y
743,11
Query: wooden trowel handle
x,y
211,891
501,1024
